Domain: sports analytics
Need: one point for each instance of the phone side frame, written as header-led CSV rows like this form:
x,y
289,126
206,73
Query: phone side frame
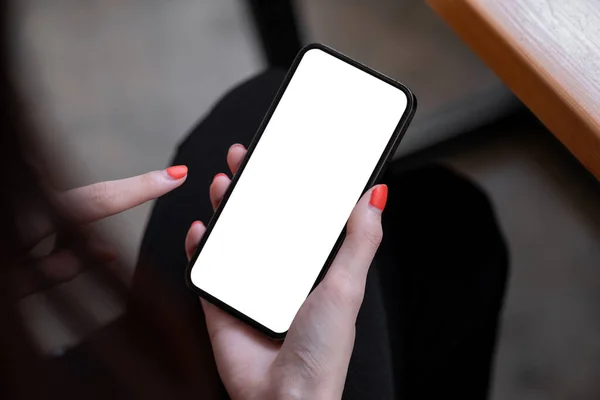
x,y
375,176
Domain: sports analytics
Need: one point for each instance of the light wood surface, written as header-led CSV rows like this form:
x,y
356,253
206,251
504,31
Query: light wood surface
x,y
548,53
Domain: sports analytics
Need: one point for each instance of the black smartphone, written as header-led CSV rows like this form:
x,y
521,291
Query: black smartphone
x,y
324,141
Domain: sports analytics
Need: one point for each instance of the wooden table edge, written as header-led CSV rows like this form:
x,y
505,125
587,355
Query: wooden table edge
x,y
571,124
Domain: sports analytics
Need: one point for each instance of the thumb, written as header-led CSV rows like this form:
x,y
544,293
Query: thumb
x,y
322,334
345,281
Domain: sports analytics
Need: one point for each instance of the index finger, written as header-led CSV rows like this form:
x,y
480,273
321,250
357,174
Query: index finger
x,y
93,202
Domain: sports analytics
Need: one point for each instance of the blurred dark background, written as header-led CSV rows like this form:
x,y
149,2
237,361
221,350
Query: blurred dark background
x,y
115,85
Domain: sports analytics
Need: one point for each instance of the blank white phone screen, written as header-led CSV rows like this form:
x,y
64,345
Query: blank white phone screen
x,y
295,195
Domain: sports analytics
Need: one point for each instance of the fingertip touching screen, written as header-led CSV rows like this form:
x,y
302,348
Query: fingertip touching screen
x,y
294,196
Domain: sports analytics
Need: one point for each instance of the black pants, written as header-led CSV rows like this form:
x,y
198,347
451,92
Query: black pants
x,y
427,327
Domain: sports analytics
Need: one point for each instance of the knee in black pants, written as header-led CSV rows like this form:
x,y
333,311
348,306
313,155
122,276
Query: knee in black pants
x,y
444,266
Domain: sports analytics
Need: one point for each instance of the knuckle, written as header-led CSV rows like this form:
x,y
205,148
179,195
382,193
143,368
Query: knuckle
x,y
345,291
102,193
313,367
148,180
373,235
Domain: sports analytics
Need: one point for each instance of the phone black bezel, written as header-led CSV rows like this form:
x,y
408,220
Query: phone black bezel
x,y
387,153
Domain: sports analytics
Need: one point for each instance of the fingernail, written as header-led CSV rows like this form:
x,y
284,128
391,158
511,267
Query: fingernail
x,y
379,197
177,171
197,223
241,146
219,175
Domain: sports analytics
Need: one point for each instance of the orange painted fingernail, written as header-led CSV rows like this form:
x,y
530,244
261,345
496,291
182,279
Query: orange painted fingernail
x,y
177,171
219,175
379,197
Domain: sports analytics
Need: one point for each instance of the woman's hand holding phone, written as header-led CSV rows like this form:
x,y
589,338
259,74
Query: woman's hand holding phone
x,y
313,360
